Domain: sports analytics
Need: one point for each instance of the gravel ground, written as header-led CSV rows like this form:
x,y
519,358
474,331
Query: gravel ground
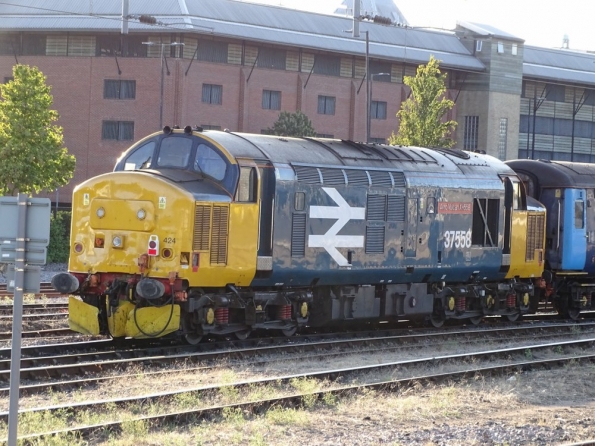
x,y
47,271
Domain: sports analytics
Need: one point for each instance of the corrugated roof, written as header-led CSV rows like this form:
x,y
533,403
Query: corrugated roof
x,y
559,65
230,18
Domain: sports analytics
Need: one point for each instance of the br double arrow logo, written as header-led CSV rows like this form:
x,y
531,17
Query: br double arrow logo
x,y
330,241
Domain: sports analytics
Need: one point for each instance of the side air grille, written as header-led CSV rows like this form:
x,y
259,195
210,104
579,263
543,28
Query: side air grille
x,y
396,208
219,235
534,235
374,239
202,225
376,208
298,235
307,174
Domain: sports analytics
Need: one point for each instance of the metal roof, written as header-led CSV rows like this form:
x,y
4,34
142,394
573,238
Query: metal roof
x,y
488,31
560,65
229,18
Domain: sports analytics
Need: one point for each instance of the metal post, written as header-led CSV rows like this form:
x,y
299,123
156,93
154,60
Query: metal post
x,y
161,96
17,320
367,86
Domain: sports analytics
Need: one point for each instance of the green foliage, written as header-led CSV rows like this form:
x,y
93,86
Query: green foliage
x,y
59,246
292,124
31,154
421,122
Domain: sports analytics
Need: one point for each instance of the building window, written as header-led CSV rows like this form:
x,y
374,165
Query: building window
x,y
212,51
478,45
326,105
324,135
9,44
118,130
502,138
378,110
118,89
514,49
271,100
378,140
554,92
271,58
212,94
8,79
34,44
500,47
107,45
470,137
327,64
210,127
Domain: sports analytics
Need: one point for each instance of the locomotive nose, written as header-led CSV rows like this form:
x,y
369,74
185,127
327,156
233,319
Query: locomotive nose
x,y
65,283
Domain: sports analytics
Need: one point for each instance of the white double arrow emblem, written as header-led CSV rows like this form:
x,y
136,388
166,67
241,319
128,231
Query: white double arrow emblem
x,y
343,213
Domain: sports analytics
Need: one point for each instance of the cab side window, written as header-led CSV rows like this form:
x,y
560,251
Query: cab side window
x,y
248,185
141,157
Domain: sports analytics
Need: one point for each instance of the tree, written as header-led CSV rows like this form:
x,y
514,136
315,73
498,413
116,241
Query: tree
x,y
292,124
31,154
421,122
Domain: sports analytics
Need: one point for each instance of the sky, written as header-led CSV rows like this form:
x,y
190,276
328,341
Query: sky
x,y
538,22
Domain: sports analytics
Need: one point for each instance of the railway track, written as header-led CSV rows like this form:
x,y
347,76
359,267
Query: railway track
x,y
46,290
50,371
6,310
280,392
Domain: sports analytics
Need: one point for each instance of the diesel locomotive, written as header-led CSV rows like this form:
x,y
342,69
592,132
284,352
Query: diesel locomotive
x,y
213,233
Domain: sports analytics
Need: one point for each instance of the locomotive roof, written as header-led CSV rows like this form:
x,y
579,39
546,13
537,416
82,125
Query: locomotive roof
x,y
557,173
342,153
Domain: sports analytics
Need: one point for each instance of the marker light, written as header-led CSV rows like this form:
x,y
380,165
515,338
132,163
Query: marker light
x,y
117,241
100,212
141,214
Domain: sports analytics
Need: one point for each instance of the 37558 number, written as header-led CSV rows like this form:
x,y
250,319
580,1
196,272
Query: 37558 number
x,y
457,239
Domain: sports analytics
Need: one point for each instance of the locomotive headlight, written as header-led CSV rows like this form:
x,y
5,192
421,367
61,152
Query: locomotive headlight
x,y
100,212
118,242
141,214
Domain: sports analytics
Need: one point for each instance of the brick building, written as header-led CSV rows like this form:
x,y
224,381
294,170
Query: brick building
x,y
116,77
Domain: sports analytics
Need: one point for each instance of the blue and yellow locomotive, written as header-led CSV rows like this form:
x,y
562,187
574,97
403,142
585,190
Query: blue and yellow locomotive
x,y
212,233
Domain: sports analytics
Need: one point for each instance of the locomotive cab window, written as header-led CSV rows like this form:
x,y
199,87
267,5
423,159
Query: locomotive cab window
x,y
141,157
248,185
174,152
209,162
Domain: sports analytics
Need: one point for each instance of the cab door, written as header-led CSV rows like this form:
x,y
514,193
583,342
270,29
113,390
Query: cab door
x,y
574,229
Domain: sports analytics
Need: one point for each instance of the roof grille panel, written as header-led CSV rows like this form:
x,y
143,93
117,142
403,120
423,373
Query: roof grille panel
x,y
306,174
380,178
357,177
332,177
399,179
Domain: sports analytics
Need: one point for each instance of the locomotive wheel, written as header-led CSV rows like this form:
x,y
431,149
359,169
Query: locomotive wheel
x,y
243,334
512,317
192,338
437,320
574,313
289,332
475,320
